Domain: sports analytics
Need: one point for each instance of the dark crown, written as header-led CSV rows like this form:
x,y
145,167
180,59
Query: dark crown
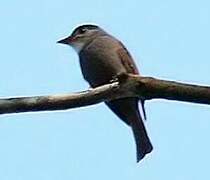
x,y
85,26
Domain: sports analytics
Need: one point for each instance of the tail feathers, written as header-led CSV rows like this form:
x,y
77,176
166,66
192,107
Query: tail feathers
x,y
127,110
143,144
143,109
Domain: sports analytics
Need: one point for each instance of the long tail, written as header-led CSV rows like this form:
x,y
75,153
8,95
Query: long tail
x,y
127,110
143,144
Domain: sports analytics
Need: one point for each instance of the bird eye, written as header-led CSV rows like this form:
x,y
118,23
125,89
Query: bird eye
x,y
82,31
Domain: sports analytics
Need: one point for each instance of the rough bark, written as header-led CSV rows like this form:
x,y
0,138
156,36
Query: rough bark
x,y
146,88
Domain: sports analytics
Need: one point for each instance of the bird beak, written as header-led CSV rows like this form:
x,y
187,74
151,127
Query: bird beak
x,y
67,40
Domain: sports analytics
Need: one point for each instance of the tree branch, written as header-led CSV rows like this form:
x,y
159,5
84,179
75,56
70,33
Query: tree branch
x,y
146,88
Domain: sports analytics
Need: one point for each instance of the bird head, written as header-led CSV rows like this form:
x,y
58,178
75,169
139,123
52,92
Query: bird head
x,y
81,36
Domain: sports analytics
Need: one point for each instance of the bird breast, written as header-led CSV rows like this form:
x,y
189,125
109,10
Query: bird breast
x,y
100,62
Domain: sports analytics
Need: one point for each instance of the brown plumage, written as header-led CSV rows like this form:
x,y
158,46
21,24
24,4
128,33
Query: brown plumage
x,y
102,57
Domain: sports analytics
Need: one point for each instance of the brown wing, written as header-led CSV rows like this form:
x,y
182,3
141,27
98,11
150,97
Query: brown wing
x,y
130,67
127,60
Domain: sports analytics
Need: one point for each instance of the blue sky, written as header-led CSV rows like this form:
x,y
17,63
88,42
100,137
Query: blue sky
x,y
168,40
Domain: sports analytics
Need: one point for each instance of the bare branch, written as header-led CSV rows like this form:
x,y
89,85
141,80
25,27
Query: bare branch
x,y
151,88
129,86
57,102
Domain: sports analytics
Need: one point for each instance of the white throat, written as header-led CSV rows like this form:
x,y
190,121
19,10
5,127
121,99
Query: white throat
x,y
78,46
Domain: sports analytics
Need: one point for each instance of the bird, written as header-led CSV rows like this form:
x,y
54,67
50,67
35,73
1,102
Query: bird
x,y
102,57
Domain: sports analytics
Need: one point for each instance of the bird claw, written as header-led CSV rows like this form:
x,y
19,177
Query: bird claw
x,y
115,79
120,77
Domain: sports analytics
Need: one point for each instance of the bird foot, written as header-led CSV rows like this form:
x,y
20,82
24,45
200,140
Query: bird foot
x,y
120,77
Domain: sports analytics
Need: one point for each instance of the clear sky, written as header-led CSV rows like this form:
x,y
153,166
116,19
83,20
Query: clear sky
x,y
168,39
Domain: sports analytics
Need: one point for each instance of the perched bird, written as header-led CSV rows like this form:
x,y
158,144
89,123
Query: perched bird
x,y
102,57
